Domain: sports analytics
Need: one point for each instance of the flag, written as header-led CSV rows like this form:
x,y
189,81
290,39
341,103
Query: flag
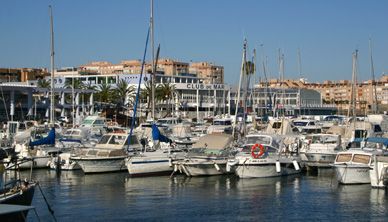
x,y
18,105
103,114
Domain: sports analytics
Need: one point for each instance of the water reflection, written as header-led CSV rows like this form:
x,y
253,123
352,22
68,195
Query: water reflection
x,y
118,197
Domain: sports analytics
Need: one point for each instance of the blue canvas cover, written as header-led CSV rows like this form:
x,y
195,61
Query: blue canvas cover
x,y
48,140
156,135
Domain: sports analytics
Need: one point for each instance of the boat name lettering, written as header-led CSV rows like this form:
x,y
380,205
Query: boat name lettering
x,y
204,86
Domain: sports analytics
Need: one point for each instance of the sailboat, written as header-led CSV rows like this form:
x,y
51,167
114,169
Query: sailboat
x,y
155,160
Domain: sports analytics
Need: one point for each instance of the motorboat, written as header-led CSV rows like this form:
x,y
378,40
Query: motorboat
x,y
154,159
265,155
94,125
109,153
153,162
62,159
207,157
352,166
323,149
221,126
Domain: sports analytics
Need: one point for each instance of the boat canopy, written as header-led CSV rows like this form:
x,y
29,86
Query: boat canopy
x,y
156,135
373,139
214,141
48,140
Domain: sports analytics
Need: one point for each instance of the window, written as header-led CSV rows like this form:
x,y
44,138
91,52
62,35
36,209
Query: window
x,y
344,158
358,158
104,139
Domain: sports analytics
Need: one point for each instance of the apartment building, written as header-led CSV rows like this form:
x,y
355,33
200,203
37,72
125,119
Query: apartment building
x,y
22,74
339,92
213,74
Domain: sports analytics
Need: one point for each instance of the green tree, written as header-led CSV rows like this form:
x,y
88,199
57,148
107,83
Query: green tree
x,y
122,90
249,67
164,92
104,92
78,84
44,83
146,94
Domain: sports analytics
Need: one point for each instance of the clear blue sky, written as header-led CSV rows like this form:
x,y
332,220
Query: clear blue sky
x,y
327,32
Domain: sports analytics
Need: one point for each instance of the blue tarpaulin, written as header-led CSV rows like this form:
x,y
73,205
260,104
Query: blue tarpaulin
x,y
156,135
373,139
48,140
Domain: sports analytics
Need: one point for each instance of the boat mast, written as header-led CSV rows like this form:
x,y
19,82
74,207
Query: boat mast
x,y
152,58
299,80
266,85
239,86
373,80
353,92
52,111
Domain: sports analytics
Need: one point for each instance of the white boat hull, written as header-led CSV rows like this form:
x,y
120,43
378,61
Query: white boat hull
x,y
204,168
265,169
101,165
36,162
352,173
320,159
146,166
66,164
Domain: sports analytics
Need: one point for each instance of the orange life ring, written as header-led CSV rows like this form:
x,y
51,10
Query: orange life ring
x,y
253,149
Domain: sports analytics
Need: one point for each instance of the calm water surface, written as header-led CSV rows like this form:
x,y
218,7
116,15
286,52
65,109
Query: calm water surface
x,y
116,197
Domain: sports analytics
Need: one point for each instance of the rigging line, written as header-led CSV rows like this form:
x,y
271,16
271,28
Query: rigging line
x,y
5,106
43,39
161,29
138,89
48,205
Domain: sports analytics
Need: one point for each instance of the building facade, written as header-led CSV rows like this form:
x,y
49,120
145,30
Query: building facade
x,y
208,70
339,92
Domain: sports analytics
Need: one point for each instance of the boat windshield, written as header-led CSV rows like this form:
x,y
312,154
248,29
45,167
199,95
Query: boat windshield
x,y
324,139
207,151
300,123
258,140
87,122
373,145
117,140
222,123
104,139
161,121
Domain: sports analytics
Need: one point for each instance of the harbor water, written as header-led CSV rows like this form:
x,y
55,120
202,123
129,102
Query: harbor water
x,y
74,196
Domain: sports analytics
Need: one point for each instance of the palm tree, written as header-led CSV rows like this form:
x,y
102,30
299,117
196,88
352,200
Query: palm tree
x,y
44,83
78,84
105,92
164,92
147,93
122,90
89,86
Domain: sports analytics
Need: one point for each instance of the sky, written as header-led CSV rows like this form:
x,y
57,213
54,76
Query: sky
x,y
328,32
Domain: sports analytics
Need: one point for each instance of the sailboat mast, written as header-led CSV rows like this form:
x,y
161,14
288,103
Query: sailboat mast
x,y
52,111
299,81
152,58
266,84
373,80
239,86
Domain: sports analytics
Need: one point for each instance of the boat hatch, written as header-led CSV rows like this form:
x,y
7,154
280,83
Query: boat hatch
x,y
359,158
344,158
